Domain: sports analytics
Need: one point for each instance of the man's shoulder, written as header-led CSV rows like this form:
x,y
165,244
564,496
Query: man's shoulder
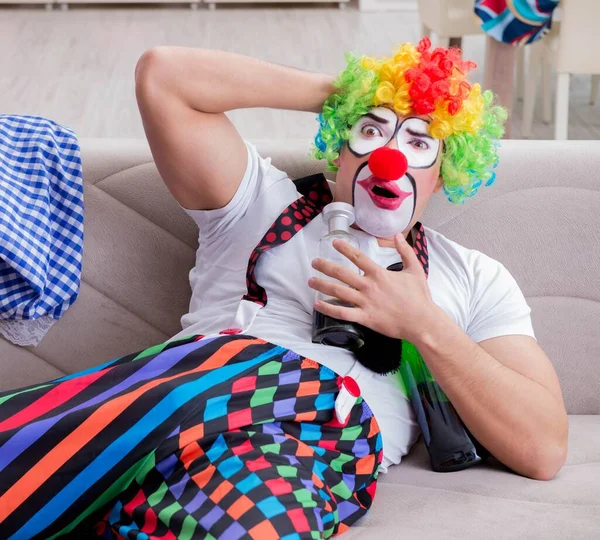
x,y
493,303
444,251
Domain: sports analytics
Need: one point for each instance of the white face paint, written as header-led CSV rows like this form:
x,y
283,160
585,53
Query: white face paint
x,y
379,215
384,208
420,148
373,131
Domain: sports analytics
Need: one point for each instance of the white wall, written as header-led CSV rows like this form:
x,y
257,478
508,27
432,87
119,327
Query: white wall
x,y
387,5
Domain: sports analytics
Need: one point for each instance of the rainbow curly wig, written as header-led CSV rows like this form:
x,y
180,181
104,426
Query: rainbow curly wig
x,y
418,80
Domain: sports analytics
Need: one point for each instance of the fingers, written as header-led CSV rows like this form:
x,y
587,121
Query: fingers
x,y
345,275
409,258
351,314
367,265
336,290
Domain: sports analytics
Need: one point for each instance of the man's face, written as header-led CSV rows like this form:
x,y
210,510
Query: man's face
x,y
388,170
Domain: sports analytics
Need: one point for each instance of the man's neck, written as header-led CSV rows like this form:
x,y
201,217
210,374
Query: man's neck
x,y
385,242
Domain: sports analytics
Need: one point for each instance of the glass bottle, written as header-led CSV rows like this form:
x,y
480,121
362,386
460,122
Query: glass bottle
x,y
450,445
327,330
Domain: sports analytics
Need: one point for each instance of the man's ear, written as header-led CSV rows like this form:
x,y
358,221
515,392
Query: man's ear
x,y
338,159
439,185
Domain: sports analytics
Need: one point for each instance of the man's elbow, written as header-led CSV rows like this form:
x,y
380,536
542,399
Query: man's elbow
x,y
546,462
151,71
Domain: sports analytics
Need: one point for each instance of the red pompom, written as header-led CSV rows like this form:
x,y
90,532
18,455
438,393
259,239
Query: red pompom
x,y
388,164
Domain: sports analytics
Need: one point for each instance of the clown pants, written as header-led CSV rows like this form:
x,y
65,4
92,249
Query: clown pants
x,y
207,437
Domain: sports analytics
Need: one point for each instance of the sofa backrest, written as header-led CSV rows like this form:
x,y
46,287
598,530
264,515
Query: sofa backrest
x,y
541,219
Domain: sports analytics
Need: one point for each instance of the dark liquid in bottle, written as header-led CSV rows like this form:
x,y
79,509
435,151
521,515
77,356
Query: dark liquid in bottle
x,y
335,332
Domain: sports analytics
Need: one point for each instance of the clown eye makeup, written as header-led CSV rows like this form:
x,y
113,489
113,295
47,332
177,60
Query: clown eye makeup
x,y
420,148
372,131
419,144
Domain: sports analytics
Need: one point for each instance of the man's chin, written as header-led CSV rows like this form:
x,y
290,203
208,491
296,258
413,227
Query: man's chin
x,y
380,230
382,224
383,241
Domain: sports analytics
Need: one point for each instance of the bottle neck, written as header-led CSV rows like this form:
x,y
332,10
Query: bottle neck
x,y
338,223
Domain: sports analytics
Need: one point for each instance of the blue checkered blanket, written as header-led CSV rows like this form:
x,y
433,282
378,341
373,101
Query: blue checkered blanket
x,y
41,225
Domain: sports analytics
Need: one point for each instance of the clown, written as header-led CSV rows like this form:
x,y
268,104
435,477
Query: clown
x,y
241,426
416,120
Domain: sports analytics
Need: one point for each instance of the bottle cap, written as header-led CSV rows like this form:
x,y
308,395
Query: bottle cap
x,y
339,215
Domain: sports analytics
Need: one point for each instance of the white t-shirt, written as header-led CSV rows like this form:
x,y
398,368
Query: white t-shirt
x,y
477,292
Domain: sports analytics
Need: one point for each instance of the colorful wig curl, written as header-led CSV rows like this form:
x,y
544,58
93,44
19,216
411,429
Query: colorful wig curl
x,y
418,80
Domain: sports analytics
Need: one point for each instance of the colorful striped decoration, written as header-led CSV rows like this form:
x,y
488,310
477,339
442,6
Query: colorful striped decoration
x,y
207,437
518,22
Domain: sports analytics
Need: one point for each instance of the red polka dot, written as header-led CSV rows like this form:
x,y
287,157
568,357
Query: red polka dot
x,y
418,244
326,198
306,212
422,259
286,221
313,195
297,215
286,235
285,211
271,237
294,205
297,227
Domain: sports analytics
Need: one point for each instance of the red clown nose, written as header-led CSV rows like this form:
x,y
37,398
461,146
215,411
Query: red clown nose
x,y
388,164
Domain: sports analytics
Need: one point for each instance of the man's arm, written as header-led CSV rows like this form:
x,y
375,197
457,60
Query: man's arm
x,y
506,391
182,96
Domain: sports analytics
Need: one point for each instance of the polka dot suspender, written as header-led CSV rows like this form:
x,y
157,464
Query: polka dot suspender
x,y
315,196
419,244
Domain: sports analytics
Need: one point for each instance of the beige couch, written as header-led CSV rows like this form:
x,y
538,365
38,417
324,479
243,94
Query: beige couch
x,y
541,219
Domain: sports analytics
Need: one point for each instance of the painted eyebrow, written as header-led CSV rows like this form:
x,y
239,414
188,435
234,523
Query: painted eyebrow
x,y
418,134
377,118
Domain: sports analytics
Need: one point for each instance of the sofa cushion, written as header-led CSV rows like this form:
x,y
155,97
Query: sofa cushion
x,y
488,501
540,219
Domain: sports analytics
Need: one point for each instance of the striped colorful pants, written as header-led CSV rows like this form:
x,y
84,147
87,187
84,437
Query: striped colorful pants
x,y
207,437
